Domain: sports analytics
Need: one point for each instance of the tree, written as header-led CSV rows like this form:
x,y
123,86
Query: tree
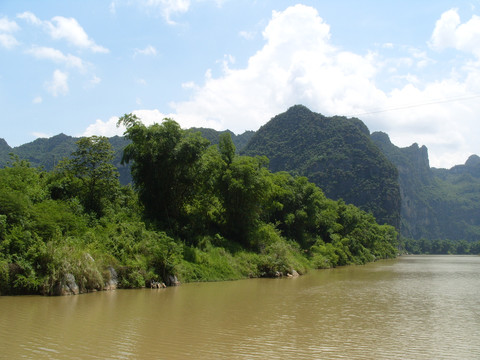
x,y
226,147
91,164
165,161
243,188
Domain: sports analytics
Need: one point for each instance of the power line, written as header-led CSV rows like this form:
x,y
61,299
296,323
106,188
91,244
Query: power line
x,y
417,105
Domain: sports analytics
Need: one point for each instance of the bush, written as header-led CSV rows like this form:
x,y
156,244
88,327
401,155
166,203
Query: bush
x,y
281,258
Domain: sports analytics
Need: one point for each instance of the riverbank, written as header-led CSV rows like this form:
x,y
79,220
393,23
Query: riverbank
x,y
225,217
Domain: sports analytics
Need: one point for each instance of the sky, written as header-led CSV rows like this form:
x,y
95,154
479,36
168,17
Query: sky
x,y
407,68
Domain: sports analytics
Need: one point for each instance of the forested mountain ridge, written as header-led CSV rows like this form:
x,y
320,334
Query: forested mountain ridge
x,y
240,141
4,146
47,152
335,153
436,203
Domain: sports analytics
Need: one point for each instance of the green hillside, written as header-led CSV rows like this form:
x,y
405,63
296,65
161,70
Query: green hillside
x,y
335,153
436,203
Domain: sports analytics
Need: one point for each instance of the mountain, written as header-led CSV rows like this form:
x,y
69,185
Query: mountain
x,y
44,152
47,152
240,141
436,203
4,147
337,154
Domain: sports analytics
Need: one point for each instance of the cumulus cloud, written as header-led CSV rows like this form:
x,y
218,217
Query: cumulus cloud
x,y
41,135
104,128
297,64
8,41
109,127
59,83
62,28
71,31
449,32
7,27
168,8
41,52
247,35
30,17
300,64
147,51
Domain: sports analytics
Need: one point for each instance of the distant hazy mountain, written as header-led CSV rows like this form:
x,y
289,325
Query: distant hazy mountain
x,y
436,203
47,152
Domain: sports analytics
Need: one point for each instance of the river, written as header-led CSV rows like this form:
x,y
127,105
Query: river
x,y
413,307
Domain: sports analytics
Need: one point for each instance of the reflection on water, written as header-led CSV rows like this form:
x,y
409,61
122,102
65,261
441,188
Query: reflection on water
x,y
415,307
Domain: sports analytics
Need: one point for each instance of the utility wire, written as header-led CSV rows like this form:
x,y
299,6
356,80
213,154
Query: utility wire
x,y
417,105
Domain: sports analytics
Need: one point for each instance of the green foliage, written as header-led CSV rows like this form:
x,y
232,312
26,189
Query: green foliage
x,y
165,164
336,154
439,246
213,136
242,190
211,215
280,257
91,164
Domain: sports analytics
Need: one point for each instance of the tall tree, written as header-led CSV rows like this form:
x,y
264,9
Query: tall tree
x,y
165,161
91,164
243,188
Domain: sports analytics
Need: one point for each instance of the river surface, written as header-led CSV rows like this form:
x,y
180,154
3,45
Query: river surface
x,y
414,307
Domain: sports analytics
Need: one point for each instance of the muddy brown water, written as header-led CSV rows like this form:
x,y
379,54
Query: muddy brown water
x,y
413,307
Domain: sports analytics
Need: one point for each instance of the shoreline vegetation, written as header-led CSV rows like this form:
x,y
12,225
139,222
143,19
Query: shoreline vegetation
x,y
195,212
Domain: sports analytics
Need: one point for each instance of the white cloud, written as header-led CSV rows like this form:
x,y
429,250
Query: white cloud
x,y
113,7
70,30
41,52
150,117
449,32
41,135
59,83
104,128
168,8
30,17
37,100
148,51
8,25
299,64
62,28
247,35
189,85
109,127
7,40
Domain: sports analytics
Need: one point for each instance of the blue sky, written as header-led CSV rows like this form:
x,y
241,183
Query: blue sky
x,y
408,68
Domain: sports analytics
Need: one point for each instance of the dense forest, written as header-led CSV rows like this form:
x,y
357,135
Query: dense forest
x,y
335,153
194,212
